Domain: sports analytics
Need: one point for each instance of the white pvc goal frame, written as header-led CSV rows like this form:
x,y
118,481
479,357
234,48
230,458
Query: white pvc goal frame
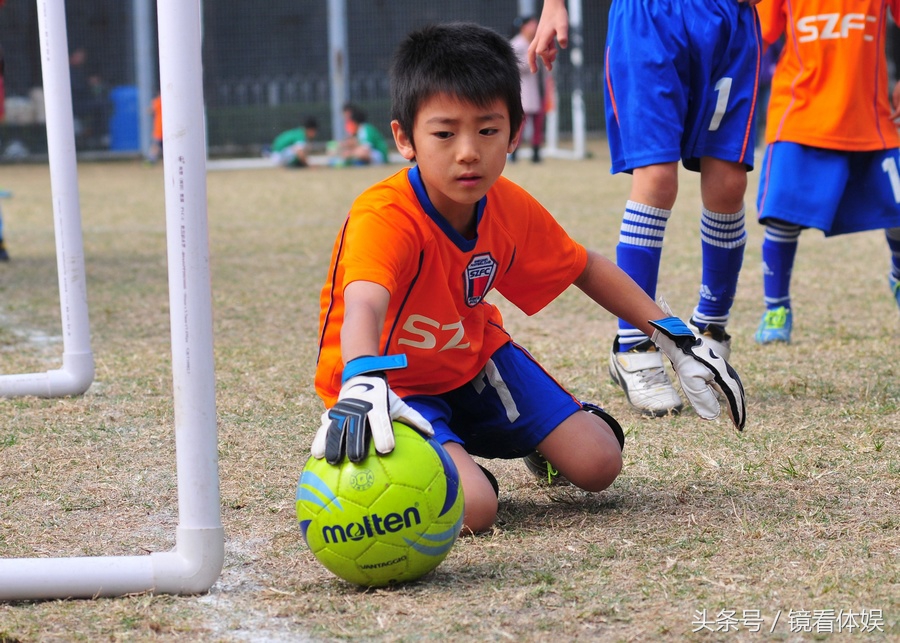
x,y
196,561
77,372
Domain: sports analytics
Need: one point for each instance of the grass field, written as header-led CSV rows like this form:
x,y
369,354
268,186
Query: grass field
x,y
791,528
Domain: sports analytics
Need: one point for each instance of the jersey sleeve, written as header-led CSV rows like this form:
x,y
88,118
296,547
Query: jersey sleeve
x,y
772,20
547,260
380,246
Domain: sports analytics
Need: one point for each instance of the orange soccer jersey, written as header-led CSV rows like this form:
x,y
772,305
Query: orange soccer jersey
x,y
437,279
830,85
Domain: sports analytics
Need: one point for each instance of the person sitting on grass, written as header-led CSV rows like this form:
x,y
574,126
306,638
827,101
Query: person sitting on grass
x,y
406,330
291,147
364,144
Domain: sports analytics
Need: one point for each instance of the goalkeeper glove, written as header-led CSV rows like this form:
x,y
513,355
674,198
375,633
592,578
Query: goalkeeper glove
x,y
366,407
701,371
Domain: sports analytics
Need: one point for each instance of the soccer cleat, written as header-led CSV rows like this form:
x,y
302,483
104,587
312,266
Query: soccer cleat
x,y
543,470
4,256
895,287
641,374
775,326
713,336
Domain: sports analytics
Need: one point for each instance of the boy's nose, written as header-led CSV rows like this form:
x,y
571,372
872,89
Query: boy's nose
x,y
467,150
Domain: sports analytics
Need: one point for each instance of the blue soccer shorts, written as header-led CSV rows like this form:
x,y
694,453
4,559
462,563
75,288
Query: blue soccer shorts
x,y
504,412
681,82
833,191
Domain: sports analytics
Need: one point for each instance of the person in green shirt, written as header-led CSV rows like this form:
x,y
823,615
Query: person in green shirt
x,y
290,148
364,144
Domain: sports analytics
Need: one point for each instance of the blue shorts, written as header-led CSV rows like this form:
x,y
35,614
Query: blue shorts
x,y
681,82
505,412
833,191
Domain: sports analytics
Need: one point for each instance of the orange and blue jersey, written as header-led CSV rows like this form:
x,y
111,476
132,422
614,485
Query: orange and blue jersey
x,y
438,280
830,85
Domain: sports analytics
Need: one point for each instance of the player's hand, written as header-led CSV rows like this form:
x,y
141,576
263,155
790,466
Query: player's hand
x,y
553,27
895,103
366,407
702,372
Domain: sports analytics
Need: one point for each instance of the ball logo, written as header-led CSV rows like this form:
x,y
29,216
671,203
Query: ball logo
x,y
371,525
480,275
362,480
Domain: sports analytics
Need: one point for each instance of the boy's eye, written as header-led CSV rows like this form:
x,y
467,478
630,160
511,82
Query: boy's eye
x,y
443,135
489,131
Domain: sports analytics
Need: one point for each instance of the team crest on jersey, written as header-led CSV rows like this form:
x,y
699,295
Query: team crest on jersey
x,y
480,275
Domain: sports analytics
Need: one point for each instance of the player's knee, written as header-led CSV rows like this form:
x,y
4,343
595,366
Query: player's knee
x,y
723,185
601,474
656,185
480,512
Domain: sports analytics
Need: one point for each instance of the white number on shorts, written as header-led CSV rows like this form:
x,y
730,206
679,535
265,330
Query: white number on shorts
x,y
889,165
723,91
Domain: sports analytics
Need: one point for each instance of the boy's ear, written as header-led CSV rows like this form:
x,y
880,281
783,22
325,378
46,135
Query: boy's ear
x,y
514,142
404,143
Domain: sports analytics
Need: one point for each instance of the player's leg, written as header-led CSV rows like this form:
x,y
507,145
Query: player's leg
x,y
537,136
893,239
799,187
871,201
647,100
635,364
585,450
779,248
719,142
478,489
481,500
4,255
723,237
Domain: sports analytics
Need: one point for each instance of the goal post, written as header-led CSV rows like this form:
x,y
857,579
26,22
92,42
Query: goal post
x,y
196,561
77,371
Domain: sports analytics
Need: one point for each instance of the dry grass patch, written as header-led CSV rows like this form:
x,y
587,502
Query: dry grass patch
x,y
797,513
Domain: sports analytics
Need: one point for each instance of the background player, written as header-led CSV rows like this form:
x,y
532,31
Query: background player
x,y
681,80
291,147
405,329
832,160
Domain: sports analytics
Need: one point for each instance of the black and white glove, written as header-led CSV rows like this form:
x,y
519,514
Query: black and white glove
x,y
366,407
702,372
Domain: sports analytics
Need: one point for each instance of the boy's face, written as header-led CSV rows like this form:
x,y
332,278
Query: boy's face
x,y
460,149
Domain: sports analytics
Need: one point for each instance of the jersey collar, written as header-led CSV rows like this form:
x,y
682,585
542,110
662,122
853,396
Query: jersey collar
x,y
466,245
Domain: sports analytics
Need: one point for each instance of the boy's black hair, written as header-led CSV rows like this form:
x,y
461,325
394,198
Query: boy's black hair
x,y
311,123
464,60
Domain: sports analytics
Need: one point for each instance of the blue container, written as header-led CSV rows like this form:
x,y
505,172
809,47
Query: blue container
x,y
125,122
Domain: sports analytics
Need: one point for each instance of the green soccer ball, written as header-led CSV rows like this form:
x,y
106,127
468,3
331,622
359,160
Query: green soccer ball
x,y
386,520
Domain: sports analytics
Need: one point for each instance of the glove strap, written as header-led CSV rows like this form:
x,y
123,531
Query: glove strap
x,y
370,364
673,327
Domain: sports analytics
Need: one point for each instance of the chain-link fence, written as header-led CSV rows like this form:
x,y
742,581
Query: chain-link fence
x,y
266,67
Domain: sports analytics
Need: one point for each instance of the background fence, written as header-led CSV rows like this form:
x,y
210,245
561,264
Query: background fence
x,y
266,66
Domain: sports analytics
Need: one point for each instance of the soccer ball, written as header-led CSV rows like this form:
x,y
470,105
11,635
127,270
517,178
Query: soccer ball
x,y
388,519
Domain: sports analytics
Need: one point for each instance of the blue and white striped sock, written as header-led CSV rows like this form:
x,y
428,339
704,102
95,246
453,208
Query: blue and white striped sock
x,y
779,248
638,253
723,238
